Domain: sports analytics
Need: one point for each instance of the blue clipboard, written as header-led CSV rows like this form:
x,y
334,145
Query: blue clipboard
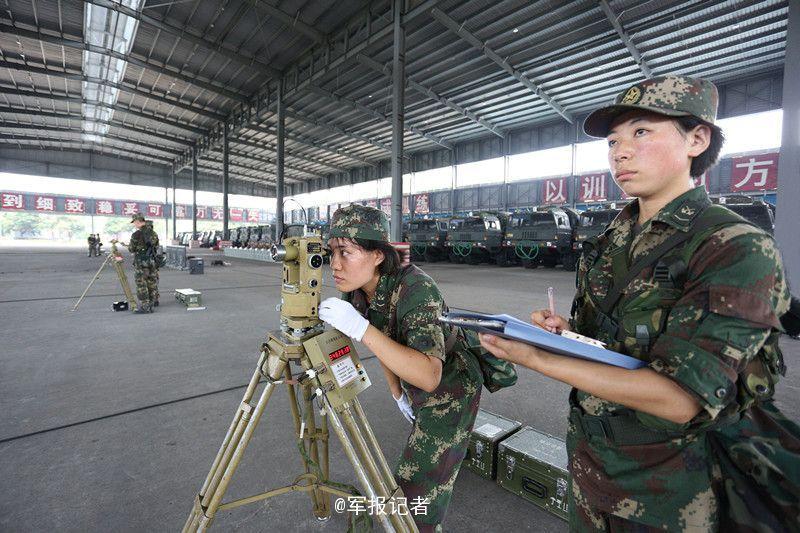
x,y
508,327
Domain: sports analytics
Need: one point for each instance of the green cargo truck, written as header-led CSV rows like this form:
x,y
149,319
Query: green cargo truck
x,y
591,224
756,211
427,238
476,238
540,238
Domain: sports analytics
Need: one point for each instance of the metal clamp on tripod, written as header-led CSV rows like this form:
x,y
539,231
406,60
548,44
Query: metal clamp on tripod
x,y
332,374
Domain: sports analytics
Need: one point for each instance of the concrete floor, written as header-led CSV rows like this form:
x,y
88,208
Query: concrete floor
x,y
110,421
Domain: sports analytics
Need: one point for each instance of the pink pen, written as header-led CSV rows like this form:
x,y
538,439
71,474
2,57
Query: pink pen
x,y
552,302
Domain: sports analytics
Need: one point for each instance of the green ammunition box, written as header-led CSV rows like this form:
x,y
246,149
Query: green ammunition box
x,y
533,465
191,298
488,431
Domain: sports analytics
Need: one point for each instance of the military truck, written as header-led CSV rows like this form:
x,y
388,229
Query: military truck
x,y
756,211
427,238
476,238
591,224
542,237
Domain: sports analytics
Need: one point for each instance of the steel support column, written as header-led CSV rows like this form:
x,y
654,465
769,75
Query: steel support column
x,y
194,194
279,161
174,215
225,213
398,104
788,169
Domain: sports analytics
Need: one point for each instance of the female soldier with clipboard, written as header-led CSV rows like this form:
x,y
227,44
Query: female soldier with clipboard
x,y
693,441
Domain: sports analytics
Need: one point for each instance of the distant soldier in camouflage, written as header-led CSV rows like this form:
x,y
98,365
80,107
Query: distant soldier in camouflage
x,y
144,247
433,376
90,240
693,441
156,265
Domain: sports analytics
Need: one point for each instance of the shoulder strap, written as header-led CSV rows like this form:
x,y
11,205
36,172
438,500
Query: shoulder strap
x,y
707,220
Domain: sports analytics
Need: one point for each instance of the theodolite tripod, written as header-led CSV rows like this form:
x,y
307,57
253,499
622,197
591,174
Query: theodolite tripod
x,y
333,375
115,258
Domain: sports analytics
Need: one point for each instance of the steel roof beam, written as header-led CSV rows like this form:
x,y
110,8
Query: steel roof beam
x,y
334,52
380,116
22,67
291,21
41,139
626,40
272,150
150,64
116,123
127,156
458,29
384,69
267,161
313,143
184,33
116,107
63,129
337,129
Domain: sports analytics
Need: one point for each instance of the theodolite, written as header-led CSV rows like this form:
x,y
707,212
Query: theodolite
x,y
331,374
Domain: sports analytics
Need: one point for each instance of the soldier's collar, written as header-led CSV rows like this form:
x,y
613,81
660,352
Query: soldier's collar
x,y
628,215
681,212
380,302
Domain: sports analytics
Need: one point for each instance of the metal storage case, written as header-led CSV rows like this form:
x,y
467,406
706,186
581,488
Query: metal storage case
x,y
533,465
488,431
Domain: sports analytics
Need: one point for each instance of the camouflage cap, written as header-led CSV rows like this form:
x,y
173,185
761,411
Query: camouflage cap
x,y
137,216
674,96
360,222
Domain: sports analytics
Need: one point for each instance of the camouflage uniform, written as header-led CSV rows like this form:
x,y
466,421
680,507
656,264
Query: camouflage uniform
x,y
91,242
155,295
405,308
144,266
706,315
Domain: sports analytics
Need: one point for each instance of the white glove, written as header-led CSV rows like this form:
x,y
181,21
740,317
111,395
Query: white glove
x,y
404,404
344,317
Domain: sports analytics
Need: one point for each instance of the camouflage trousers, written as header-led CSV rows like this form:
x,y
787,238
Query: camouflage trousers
x,y
146,279
438,441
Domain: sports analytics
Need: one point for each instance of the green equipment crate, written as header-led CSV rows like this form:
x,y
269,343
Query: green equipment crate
x,y
192,299
533,465
488,431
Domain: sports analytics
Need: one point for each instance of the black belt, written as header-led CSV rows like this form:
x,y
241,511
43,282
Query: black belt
x,y
622,429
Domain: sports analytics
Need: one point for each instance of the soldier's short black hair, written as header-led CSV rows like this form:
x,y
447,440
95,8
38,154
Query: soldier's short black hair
x,y
709,158
391,259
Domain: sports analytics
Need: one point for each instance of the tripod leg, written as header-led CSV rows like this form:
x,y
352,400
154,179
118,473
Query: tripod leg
x,y
126,288
358,467
386,486
95,278
245,422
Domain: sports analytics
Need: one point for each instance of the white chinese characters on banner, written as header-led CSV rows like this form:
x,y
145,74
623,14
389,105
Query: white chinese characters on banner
x,y
421,204
755,173
201,211
386,206
236,214
10,200
555,191
593,188
104,207
217,213
130,208
74,205
45,203
180,211
253,215
155,210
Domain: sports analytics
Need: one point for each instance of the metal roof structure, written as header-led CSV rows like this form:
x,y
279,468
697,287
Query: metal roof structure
x,y
157,81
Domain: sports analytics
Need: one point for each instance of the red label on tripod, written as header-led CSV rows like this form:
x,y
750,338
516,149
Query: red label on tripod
x,y
341,352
